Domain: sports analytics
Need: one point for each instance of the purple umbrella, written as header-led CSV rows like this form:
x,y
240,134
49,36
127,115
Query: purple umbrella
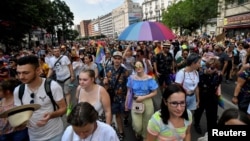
x,y
147,31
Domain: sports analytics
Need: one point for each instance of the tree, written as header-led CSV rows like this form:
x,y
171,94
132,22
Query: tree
x,y
190,14
64,18
24,16
71,34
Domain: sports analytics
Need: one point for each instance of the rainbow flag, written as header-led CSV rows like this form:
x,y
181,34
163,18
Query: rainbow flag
x,y
221,102
152,75
157,50
99,53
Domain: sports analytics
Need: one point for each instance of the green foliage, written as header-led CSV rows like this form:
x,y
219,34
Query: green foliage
x,y
71,34
19,17
190,14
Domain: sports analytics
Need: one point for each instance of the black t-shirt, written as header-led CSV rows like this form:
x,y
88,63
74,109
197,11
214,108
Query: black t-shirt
x,y
164,63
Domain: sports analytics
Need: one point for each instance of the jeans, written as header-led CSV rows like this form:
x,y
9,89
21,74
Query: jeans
x,y
21,135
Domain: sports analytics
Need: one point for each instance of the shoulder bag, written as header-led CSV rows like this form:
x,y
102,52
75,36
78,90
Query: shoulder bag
x,y
53,76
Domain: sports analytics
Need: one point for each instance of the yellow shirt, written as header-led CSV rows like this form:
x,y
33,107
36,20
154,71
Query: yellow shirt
x,y
45,69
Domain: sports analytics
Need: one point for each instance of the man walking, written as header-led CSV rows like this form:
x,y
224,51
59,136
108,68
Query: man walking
x,y
45,123
164,66
64,73
116,80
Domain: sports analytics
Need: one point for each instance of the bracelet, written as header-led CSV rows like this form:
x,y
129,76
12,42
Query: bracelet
x,y
235,96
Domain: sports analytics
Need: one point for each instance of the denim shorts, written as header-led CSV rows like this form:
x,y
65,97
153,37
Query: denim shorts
x,y
191,102
118,106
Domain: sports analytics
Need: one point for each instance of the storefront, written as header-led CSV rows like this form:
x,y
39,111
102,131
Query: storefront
x,y
237,25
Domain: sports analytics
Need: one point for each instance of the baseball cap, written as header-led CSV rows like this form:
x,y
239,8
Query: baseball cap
x,y
166,44
117,53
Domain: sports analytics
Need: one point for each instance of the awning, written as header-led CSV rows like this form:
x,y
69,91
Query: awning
x,y
237,26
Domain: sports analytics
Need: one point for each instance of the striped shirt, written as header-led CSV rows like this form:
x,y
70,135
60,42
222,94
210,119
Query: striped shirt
x,y
164,132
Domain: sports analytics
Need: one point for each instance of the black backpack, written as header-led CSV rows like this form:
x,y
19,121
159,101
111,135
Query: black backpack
x,y
47,87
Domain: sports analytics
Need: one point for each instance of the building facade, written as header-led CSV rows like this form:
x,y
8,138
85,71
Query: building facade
x,y
234,17
106,25
153,9
84,30
94,27
125,15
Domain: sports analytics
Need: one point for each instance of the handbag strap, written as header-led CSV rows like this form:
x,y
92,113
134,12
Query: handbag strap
x,y
120,72
58,60
172,128
183,77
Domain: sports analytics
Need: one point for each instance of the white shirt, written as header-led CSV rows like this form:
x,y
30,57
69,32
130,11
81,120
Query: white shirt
x,y
61,67
189,80
102,132
54,126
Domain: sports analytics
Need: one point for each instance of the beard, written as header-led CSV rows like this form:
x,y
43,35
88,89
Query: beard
x,y
32,79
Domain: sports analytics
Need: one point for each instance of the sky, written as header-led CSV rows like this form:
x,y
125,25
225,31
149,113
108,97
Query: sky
x,y
91,9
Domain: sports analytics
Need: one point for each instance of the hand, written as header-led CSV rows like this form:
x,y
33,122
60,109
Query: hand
x,y
158,74
197,104
105,80
72,78
139,99
235,100
43,121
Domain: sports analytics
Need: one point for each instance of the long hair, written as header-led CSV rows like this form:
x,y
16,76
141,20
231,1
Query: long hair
x,y
171,89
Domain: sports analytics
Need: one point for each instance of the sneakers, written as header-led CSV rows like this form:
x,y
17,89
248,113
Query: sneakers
x,y
198,129
121,136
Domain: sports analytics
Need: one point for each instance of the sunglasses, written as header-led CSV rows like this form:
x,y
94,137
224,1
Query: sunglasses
x,y
32,95
138,66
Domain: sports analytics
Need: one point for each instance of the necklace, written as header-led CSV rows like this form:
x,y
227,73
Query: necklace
x,y
193,79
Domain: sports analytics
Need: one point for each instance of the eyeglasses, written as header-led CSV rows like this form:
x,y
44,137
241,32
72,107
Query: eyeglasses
x,y
32,95
175,103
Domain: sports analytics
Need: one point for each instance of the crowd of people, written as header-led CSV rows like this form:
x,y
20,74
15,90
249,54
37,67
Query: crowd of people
x,y
187,72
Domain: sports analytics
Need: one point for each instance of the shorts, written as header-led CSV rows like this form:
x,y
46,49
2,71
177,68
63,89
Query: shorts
x,y
191,102
118,106
164,78
66,86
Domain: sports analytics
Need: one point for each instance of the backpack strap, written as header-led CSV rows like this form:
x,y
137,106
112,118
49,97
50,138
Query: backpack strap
x,y
184,70
47,86
21,92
